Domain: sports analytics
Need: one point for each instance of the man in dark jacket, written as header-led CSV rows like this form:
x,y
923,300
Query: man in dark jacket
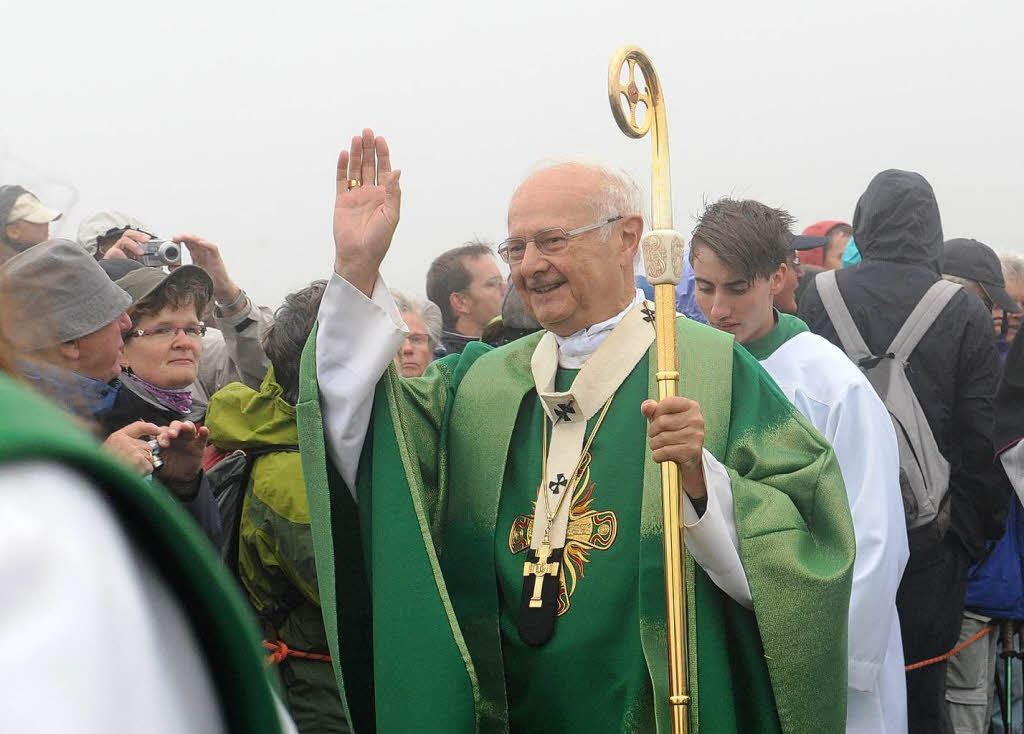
x,y
954,373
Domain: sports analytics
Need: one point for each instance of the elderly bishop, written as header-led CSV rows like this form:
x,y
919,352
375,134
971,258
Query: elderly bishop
x,y
488,536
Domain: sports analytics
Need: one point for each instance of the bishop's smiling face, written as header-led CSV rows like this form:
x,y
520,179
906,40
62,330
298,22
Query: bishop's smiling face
x,y
590,280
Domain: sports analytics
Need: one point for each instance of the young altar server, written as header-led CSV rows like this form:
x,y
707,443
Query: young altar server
x,y
738,253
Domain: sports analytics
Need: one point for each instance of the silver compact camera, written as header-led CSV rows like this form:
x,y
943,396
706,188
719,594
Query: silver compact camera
x,y
157,253
154,446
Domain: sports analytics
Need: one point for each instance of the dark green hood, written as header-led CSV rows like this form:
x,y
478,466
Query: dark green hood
x,y
242,418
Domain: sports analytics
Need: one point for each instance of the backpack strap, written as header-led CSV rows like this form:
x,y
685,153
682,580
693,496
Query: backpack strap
x,y
839,314
922,318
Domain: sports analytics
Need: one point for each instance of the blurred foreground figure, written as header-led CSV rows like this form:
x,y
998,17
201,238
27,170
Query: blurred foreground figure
x,y
953,371
273,551
494,527
741,251
122,614
25,221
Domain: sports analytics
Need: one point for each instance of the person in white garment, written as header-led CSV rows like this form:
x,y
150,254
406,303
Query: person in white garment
x,y
738,252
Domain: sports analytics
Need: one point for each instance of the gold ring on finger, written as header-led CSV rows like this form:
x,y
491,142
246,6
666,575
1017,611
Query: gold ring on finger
x,y
354,183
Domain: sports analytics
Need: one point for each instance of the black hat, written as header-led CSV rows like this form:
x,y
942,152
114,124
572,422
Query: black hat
x,y
976,261
806,242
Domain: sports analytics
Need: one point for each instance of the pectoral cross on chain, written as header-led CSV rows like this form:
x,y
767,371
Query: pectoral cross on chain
x,y
539,570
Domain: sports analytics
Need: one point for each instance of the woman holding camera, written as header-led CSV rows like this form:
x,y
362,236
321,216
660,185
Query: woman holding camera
x,y
159,365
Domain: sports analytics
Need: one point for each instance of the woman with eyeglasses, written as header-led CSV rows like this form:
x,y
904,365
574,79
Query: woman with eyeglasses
x,y
424,338
159,364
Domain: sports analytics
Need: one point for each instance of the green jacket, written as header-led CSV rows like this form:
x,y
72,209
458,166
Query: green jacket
x,y
275,550
172,542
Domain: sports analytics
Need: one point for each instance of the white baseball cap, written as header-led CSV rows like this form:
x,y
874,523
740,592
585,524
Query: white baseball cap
x,y
100,223
27,208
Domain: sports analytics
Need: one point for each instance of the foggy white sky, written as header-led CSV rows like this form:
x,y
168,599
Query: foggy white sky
x,y
225,119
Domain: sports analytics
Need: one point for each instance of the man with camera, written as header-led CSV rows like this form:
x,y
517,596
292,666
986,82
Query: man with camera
x,y
67,321
231,352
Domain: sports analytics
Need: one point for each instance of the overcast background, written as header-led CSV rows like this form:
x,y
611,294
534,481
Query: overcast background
x,y
225,119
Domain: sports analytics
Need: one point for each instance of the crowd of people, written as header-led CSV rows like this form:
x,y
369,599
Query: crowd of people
x,y
326,517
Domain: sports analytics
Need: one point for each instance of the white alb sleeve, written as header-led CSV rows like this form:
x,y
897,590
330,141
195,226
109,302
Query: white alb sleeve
x,y
864,441
357,337
712,538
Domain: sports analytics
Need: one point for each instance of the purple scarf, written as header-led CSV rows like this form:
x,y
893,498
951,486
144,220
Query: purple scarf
x,y
179,400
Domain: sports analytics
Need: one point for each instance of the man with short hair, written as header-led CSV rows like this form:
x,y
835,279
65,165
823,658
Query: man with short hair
x,y
26,222
739,252
953,372
514,559
786,298
467,286
837,238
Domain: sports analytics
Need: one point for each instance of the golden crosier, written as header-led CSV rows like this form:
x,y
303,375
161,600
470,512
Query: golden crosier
x,y
662,250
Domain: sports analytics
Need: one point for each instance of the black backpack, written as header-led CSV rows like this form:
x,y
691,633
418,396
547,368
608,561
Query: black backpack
x,y
229,480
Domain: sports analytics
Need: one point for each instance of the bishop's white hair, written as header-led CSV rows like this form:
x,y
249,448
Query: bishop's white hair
x,y
620,196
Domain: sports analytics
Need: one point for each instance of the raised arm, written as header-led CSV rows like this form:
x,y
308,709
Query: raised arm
x,y
359,329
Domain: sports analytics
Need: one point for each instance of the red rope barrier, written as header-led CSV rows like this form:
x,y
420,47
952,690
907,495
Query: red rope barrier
x,y
279,651
940,658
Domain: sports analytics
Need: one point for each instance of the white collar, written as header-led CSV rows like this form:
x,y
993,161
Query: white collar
x,y
575,349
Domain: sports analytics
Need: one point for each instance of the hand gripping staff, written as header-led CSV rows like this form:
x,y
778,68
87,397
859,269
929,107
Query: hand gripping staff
x,y
663,260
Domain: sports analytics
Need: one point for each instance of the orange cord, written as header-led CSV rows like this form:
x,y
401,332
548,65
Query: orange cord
x,y
279,651
940,658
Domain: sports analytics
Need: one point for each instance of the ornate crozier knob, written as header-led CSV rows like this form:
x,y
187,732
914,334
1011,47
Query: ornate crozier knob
x,y
663,256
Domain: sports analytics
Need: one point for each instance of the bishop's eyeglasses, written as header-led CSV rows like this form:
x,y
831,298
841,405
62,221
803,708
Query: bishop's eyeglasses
x,y
548,241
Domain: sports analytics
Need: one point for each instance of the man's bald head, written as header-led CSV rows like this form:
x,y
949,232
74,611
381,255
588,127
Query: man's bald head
x,y
591,279
608,191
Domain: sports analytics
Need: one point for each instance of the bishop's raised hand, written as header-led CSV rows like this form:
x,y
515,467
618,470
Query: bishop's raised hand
x,y
366,208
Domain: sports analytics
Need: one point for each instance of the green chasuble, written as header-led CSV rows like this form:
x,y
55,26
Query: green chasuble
x,y
157,528
420,582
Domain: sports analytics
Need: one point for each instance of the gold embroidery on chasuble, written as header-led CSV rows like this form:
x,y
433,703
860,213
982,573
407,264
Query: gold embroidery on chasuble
x,y
588,530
